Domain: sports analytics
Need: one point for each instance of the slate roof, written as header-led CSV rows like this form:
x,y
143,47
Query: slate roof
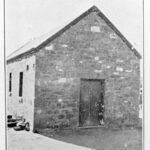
x,y
36,44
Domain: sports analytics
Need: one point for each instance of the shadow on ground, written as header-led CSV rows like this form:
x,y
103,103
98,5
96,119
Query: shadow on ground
x,y
99,138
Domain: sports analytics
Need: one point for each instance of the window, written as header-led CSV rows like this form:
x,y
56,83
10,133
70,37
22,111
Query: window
x,y
10,82
20,83
27,68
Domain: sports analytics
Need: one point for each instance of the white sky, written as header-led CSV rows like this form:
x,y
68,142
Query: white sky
x,y
26,19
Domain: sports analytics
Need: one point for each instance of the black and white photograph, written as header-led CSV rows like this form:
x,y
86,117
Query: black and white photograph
x,y
74,75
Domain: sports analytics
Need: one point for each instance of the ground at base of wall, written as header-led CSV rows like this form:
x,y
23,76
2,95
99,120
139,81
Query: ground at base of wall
x,y
99,138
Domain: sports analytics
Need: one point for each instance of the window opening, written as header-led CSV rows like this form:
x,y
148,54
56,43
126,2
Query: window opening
x,y
27,68
20,83
10,82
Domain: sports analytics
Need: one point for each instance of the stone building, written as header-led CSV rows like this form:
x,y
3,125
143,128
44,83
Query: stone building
x,y
69,77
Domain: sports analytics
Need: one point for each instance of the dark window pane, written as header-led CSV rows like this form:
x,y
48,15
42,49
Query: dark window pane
x,y
20,83
10,82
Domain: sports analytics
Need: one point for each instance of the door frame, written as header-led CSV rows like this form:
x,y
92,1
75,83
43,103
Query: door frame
x,y
91,79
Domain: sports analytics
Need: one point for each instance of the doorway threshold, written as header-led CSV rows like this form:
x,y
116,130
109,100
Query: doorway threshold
x,y
91,127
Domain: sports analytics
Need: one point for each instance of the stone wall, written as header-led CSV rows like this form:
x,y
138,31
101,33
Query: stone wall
x,y
89,49
22,105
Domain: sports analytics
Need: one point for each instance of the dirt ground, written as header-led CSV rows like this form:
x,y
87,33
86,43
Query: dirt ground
x,y
100,138
23,140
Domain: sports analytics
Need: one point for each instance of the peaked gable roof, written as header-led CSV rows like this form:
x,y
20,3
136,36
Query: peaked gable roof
x,y
38,43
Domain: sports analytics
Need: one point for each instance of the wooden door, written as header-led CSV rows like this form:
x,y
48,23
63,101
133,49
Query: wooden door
x,y
91,98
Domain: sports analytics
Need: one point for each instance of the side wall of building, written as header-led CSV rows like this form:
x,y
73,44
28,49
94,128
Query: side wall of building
x,y
21,105
89,49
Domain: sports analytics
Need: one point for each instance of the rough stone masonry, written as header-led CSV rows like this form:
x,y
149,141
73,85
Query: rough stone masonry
x,y
89,49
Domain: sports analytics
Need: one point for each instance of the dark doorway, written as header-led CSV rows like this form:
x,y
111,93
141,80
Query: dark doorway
x,y
91,109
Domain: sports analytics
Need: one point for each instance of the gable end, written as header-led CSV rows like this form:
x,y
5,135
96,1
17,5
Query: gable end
x,y
75,21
